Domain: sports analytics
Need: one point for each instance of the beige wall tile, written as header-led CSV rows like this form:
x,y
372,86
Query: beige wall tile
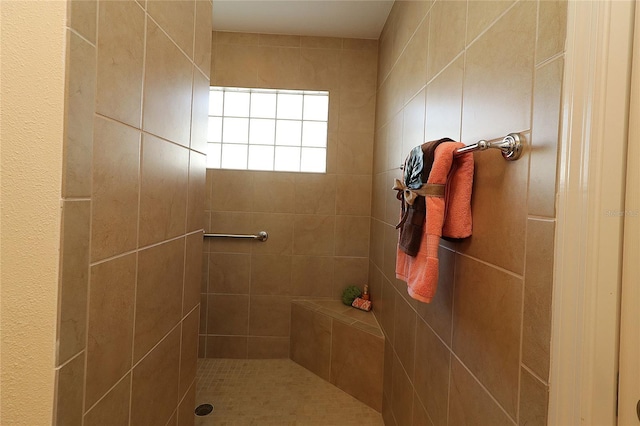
x,y
236,65
227,347
390,252
404,340
268,347
188,351
353,347
312,276
320,68
431,377
355,152
280,230
545,136
401,395
74,275
166,108
315,193
468,401
279,67
409,16
420,416
232,191
413,118
359,44
111,316
444,103
202,37
313,235
196,190
199,111
113,409
186,415
438,313
495,323
82,18
270,275
552,23
224,37
79,105
538,285
274,192
68,398
176,18
446,34
321,42
163,190
349,271
482,13
498,76
192,272
353,195
202,329
534,398
120,61
228,314
156,375
395,153
269,316
357,110
358,70
352,236
386,309
379,197
279,40
415,60
158,294
311,340
114,195
229,273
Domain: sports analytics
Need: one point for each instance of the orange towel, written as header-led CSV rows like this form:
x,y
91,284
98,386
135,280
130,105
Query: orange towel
x,y
449,216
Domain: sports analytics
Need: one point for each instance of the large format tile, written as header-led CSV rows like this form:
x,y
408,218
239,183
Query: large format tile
x,y
202,42
482,13
163,190
113,409
120,61
469,404
158,293
157,375
444,103
402,394
352,236
534,399
229,273
199,111
68,397
74,279
552,29
270,275
538,288
197,188
228,314
115,187
319,68
431,376
176,17
188,351
357,363
545,137
446,34
311,340
269,316
166,107
353,195
79,106
495,323
82,18
404,340
313,235
192,272
110,335
312,276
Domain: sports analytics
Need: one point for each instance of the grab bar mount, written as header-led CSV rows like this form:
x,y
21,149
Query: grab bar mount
x,y
261,236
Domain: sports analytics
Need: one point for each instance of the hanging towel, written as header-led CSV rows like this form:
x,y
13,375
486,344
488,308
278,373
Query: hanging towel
x,y
448,215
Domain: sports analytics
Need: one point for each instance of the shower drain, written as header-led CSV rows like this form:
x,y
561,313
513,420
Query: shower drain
x,y
204,409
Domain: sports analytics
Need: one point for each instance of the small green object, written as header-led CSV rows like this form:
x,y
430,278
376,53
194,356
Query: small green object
x,y
349,294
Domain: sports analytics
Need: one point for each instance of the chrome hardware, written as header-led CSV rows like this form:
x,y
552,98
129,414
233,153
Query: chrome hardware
x,y
262,236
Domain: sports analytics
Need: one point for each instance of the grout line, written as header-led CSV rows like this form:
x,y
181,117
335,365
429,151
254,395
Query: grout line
x,y
530,371
491,265
59,367
549,60
83,38
106,393
490,26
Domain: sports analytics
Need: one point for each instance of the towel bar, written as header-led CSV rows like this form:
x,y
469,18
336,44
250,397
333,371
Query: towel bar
x,y
511,146
261,236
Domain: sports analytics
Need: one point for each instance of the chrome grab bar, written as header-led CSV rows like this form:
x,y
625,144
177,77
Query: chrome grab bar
x,y
262,236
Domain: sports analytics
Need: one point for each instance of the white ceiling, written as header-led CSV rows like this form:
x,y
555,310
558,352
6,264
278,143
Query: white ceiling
x,y
329,18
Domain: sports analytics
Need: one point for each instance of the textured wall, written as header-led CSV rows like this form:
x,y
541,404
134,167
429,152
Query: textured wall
x,y
479,353
318,224
133,194
31,121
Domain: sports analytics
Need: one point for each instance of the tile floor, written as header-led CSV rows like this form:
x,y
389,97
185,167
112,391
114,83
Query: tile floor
x,y
274,392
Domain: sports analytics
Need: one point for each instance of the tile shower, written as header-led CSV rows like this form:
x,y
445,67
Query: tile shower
x,y
134,162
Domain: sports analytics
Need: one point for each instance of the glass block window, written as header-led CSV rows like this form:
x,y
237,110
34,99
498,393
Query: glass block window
x,y
264,129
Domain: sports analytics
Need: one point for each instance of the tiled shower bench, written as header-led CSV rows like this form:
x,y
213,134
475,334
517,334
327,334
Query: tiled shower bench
x,y
341,344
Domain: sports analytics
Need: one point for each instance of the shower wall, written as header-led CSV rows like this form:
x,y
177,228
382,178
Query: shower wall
x,y
479,353
133,196
318,224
